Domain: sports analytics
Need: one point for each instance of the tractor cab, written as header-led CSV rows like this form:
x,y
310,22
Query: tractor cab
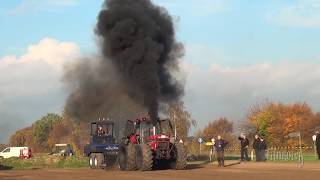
x,y
144,131
158,137
102,132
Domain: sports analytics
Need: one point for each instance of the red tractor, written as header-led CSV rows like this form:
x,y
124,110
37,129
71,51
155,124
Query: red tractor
x,y
149,146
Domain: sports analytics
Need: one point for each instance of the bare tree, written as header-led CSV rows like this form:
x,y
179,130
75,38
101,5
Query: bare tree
x,y
180,118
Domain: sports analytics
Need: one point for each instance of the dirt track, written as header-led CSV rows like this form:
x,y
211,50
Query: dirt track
x,y
244,171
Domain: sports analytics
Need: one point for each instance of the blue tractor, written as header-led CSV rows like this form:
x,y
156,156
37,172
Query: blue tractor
x,y
103,149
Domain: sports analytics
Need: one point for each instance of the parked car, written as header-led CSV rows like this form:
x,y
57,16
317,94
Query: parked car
x,y
22,152
62,150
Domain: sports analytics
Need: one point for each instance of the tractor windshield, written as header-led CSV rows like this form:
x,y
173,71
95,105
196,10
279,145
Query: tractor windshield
x,y
102,129
162,127
146,129
165,127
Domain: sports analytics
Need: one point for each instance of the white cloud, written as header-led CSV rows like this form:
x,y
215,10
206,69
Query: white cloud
x,y
223,91
37,6
43,60
202,55
30,84
303,13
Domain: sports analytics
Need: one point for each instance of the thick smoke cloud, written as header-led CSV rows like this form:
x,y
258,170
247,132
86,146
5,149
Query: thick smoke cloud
x,y
134,74
138,38
97,92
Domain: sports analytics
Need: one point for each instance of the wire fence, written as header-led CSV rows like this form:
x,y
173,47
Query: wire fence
x,y
273,153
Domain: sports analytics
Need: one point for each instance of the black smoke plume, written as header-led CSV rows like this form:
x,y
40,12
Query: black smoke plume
x,y
139,56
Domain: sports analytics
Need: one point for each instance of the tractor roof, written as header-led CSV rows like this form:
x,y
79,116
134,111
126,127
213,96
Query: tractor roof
x,y
103,122
140,120
62,144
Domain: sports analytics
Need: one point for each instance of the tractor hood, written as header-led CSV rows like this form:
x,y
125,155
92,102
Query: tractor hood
x,y
159,137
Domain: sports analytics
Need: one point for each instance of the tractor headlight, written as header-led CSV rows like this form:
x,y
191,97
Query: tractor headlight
x,y
164,137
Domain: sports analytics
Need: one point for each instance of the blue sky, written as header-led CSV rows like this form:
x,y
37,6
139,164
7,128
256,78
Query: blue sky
x,y
244,31
237,53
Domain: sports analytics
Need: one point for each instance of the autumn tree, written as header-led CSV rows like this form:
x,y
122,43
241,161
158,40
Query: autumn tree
x,y
59,133
275,121
180,118
23,137
42,128
18,138
221,126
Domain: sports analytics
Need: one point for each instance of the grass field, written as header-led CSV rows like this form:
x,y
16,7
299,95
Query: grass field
x,y
44,161
307,157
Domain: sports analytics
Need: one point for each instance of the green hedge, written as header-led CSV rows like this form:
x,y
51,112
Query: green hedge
x,y
44,161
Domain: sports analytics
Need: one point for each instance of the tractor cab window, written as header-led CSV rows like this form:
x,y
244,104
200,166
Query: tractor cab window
x,y
145,130
165,127
102,129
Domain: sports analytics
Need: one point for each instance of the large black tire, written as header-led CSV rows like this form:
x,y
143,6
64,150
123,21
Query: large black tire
x,y
110,162
99,160
180,161
127,157
144,159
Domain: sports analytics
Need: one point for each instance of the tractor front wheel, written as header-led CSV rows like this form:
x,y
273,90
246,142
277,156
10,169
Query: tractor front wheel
x,y
127,157
180,161
144,157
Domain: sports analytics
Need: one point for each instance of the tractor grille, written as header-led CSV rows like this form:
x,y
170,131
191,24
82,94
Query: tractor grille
x,y
163,150
163,146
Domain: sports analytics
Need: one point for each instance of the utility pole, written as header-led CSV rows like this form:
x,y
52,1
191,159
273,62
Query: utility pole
x,y
200,141
175,125
301,155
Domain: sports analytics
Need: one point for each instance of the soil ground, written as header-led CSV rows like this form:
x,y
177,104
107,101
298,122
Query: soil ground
x,y
233,171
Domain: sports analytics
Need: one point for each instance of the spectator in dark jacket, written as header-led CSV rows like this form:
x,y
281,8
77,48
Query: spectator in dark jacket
x,y
262,149
244,144
318,143
219,146
256,147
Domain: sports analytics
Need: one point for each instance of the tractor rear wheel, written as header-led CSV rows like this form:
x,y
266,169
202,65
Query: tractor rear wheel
x,y
92,160
127,157
144,157
180,161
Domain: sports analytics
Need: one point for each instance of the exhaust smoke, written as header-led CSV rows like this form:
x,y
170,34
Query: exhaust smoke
x,y
139,54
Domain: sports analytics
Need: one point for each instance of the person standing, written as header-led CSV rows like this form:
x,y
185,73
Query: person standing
x,y
219,146
256,147
244,144
262,149
213,150
318,143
